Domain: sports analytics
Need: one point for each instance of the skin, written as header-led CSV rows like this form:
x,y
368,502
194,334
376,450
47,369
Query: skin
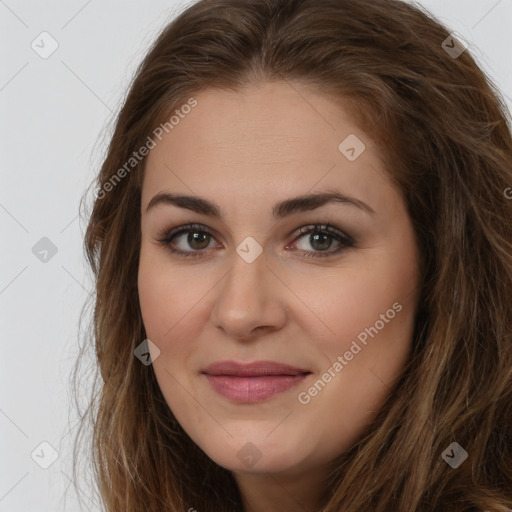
x,y
246,151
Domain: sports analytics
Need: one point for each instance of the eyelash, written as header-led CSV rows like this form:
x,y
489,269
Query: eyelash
x,y
165,238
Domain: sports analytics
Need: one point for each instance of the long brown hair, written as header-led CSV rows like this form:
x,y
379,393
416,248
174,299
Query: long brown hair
x,y
444,132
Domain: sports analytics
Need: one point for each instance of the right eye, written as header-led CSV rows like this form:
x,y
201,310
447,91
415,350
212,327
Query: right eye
x,y
197,235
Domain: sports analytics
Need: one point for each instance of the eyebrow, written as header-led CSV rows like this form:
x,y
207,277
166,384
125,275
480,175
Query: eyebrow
x,y
280,210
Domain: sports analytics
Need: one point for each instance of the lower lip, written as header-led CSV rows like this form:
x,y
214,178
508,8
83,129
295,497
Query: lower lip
x,y
253,389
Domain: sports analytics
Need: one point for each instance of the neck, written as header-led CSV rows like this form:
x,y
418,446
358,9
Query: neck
x,y
282,493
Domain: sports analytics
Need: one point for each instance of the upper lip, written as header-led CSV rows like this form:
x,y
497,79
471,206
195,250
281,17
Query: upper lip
x,y
254,369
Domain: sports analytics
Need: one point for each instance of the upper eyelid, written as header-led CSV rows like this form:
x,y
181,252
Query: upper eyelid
x,y
167,234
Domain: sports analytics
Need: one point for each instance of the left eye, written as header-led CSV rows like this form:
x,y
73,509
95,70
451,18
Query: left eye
x,y
199,238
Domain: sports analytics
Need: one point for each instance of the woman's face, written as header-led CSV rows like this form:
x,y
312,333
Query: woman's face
x,y
277,347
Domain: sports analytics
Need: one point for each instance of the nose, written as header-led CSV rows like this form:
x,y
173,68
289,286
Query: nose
x,y
249,299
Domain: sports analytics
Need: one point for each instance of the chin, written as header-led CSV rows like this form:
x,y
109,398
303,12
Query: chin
x,y
239,454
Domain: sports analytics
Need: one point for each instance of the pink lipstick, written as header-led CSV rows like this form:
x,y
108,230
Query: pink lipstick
x,y
253,382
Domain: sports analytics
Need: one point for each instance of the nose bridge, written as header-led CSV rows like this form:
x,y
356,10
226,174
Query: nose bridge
x,y
246,298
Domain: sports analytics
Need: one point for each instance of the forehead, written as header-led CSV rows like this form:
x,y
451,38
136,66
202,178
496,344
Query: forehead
x,y
264,142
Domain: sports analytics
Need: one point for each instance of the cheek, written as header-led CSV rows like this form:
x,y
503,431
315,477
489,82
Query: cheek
x,y
167,301
356,299
370,312
170,305
366,355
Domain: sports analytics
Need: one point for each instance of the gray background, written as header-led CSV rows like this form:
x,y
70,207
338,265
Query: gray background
x,y
56,117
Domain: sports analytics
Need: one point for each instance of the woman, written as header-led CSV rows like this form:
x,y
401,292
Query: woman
x,y
301,241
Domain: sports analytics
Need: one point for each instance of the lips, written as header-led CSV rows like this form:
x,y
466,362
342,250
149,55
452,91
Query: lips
x,y
255,369
253,382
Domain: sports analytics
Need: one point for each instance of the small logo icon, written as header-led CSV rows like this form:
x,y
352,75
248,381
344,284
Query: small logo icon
x,y
352,147
249,249
44,455
249,455
454,455
454,45
146,352
44,250
44,45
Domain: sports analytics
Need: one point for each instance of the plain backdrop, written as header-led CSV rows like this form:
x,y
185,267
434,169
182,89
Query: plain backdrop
x,y
56,114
